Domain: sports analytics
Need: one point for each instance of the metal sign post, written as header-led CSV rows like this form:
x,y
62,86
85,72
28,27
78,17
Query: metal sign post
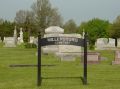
x,y
62,41
85,60
39,79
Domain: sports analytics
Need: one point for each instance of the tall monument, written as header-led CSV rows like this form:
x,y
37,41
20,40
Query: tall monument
x,y
15,35
21,35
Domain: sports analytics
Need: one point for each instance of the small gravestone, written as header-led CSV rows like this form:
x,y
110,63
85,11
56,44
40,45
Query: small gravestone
x,y
9,42
68,58
101,43
92,57
117,57
118,42
32,39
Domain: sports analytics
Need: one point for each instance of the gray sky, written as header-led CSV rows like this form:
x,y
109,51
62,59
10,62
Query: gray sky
x,y
79,10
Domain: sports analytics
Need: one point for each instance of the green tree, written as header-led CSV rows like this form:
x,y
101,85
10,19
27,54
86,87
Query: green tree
x,y
6,29
70,26
114,29
96,28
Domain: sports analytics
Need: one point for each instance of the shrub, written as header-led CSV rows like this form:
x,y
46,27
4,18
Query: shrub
x,y
30,45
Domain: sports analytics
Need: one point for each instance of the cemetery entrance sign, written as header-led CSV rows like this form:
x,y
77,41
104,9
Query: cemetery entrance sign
x,y
62,41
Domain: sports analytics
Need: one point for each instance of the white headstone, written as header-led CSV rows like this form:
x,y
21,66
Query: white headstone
x,y
32,39
111,43
118,42
105,43
9,42
101,43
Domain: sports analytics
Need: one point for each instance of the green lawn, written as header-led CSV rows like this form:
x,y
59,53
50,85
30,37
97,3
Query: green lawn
x,y
64,75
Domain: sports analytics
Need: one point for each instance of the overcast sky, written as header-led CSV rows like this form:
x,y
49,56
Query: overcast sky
x,y
79,10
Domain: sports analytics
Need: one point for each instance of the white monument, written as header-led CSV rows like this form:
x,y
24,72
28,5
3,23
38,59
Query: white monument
x,y
15,35
20,39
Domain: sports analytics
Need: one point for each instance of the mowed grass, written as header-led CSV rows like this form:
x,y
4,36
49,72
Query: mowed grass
x,y
62,75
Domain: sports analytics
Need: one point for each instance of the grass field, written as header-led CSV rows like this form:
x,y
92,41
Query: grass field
x,y
63,75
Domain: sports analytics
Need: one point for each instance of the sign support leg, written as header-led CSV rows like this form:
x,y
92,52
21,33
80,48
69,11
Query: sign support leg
x,y
39,79
85,60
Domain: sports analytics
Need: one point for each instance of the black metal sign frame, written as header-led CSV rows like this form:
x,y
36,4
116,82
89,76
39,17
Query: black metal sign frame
x,y
62,41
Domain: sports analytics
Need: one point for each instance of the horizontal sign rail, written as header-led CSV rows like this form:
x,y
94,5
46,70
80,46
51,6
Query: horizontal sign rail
x,y
62,41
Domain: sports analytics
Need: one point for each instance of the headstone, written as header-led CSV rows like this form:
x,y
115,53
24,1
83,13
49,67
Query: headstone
x,y
35,41
69,52
101,43
105,44
118,42
52,31
32,39
92,57
117,57
111,43
9,42
65,52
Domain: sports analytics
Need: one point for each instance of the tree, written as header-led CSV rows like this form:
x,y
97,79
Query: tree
x,y
70,26
45,15
96,28
114,29
6,29
25,19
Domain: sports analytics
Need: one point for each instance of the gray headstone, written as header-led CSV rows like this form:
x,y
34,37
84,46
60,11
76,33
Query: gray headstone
x,y
92,57
117,57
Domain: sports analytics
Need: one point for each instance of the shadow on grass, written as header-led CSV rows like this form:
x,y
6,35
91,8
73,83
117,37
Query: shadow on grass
x,y
61,77
30,65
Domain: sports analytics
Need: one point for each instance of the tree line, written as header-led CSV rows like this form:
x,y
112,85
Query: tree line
x,y
42,15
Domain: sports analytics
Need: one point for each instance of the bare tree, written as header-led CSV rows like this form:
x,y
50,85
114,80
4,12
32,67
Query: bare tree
x,y
21,16
45,15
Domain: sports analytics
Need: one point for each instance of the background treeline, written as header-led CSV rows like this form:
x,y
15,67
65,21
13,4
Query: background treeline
x,y
42,15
